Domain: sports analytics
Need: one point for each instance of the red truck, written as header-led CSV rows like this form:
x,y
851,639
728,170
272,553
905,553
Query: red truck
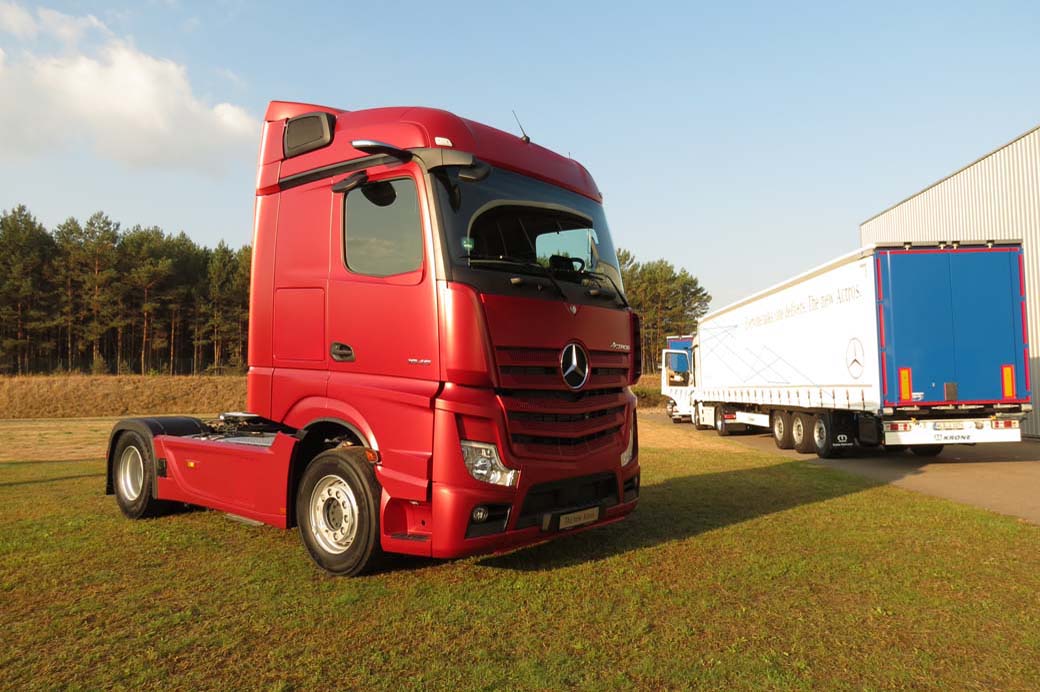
x,y
440,349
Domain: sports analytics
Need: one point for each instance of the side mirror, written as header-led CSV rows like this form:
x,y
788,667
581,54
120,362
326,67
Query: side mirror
x,y
474,172
350,182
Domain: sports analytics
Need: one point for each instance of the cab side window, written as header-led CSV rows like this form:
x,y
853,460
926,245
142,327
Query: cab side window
x,y
383,228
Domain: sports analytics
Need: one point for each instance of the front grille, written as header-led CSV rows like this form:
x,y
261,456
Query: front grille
x,y
546,418
539,368
565,417
560,496
566,441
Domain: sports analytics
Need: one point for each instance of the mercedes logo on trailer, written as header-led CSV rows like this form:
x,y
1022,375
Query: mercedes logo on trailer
x,y
574,365
854,358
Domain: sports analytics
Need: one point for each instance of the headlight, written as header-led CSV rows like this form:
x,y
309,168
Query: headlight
x,y
626,456
482,462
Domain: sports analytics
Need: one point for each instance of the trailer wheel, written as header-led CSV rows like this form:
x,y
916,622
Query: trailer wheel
x,y
823,437
782,430
720,422
801,433
133,476
337,510
926,450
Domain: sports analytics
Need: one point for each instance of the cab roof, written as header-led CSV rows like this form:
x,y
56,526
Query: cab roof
x,y
410,127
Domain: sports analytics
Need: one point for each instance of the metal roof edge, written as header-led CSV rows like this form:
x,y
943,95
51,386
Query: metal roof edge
x,y
956,172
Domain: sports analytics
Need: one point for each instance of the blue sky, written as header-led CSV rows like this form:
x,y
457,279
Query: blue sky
x,y
742,141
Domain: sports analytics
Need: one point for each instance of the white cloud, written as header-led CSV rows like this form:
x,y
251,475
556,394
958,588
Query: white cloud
x,y
66,28
16,20
128,105
231,76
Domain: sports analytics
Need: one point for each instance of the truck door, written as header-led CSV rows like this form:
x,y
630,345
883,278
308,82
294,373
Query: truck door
x,y
952,328
381,321
676,379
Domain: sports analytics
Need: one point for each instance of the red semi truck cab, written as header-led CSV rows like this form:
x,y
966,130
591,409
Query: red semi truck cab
x,y
440,350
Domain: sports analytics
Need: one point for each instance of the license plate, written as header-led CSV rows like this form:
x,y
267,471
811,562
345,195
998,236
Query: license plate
x,y
585,516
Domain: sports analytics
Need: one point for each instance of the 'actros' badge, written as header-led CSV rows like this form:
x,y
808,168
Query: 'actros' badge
x,y
574,365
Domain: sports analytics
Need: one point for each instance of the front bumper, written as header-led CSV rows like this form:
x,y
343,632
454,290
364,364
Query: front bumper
x,y
549,485
526,522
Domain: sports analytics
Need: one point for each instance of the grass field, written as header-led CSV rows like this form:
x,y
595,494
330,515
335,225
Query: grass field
x,y
739,570
77,396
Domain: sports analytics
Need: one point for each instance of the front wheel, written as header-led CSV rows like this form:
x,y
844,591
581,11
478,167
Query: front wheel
x,y
720,422
337,510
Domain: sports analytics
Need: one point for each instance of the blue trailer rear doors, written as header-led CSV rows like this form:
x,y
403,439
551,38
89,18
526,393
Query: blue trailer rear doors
x,y
952,326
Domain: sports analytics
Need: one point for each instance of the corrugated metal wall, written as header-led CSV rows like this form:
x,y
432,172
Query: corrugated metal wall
x,y
994,198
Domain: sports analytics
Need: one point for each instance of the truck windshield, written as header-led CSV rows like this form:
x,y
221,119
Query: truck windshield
x,y
510,222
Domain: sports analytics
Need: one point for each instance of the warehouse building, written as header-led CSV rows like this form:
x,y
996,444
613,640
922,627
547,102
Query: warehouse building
x,y
995,198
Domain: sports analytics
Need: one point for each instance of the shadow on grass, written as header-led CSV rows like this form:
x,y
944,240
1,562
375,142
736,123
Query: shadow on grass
x,y
50,461
52,479
679,508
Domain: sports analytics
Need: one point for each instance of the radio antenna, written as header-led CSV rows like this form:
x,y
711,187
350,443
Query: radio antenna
x,y
525,138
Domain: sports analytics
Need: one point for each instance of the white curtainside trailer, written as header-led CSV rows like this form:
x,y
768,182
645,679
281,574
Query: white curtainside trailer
x,y
814,360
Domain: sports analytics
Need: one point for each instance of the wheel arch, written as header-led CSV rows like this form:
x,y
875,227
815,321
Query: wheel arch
x,y
320,434
148,429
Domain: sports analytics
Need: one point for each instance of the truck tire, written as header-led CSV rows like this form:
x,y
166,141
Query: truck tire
x,y
133,475
337,510
801,433
926,450
720,422
823,436
781,425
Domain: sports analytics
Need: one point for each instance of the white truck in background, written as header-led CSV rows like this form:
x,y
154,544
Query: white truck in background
x,y
903,346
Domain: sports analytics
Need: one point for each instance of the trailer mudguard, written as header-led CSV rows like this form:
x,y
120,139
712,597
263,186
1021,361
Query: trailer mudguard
x,y
148,428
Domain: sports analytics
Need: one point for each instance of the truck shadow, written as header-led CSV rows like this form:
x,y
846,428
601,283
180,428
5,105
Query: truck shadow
x,y
683,507
1025,451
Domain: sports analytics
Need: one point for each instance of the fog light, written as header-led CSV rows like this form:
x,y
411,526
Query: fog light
x,y
480,514
483,463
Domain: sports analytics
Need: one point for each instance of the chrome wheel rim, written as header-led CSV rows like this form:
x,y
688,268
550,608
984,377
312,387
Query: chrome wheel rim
x,y
131,473
778,428
820,433
796,431
333,514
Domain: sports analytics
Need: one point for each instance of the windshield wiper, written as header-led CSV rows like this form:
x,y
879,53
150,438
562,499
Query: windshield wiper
x,y
518,262
617,290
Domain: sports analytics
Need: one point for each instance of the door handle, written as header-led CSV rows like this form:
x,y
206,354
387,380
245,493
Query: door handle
x,y
341,352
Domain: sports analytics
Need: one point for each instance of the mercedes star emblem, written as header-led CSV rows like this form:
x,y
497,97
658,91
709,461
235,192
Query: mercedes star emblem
x,y
854,358
574,365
